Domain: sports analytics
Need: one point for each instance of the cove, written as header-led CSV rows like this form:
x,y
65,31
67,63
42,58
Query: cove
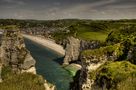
x,y
47,65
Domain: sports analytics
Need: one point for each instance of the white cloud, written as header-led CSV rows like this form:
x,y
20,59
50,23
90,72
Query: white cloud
x,y
101,9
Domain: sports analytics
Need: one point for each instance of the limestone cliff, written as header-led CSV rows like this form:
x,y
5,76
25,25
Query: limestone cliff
x,y
91,60
14,54
72,50
74,46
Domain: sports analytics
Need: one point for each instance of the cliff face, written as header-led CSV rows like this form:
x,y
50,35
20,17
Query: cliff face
x,y
14,53
72,50
74,46
93,59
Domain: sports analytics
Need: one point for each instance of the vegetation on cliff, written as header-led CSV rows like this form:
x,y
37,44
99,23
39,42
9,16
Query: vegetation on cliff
x,y
22,81
15,61
116,75
107,50
119,49
126,33
119,72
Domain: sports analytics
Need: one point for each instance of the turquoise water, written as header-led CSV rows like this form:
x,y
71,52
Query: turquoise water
x,y
47,65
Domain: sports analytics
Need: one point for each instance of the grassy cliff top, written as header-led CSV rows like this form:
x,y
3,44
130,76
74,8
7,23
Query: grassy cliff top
x,y
95,30
126,33
117,48
114,69
22,81
116,75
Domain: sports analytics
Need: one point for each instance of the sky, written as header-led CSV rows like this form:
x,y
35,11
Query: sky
x,y
67,9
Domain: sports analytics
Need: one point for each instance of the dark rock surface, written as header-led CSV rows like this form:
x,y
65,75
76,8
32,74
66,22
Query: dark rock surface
x,y
84,45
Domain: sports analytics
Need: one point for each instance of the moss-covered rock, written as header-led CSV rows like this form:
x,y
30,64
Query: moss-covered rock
x,y
73,69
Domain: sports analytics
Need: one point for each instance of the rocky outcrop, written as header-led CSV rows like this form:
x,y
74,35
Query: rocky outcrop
x,y
72,50
89,65
74,46
91,60
14,53
85,81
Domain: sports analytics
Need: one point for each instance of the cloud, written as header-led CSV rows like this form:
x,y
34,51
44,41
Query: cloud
x,y
58,9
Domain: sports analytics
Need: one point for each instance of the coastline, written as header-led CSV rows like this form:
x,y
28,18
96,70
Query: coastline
x,y
47,43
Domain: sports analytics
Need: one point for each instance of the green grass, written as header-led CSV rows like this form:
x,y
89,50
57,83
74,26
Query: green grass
x,y
92,36
118,48
23,81
92,31
126,33
116,75
116,69
72,69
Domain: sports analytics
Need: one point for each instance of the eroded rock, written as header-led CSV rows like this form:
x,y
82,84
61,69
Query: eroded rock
x,y
72,50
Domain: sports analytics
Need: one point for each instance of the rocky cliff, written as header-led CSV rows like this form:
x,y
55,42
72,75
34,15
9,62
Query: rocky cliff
x,y
72,50
14,55
92,60
107,68
102,66
73,55
74,46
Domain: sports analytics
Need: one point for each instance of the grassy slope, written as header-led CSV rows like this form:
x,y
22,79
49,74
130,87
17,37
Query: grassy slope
x,y
23,81
93,30
117,75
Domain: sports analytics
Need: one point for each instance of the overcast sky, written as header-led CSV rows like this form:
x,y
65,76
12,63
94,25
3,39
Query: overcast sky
x,y
61,9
